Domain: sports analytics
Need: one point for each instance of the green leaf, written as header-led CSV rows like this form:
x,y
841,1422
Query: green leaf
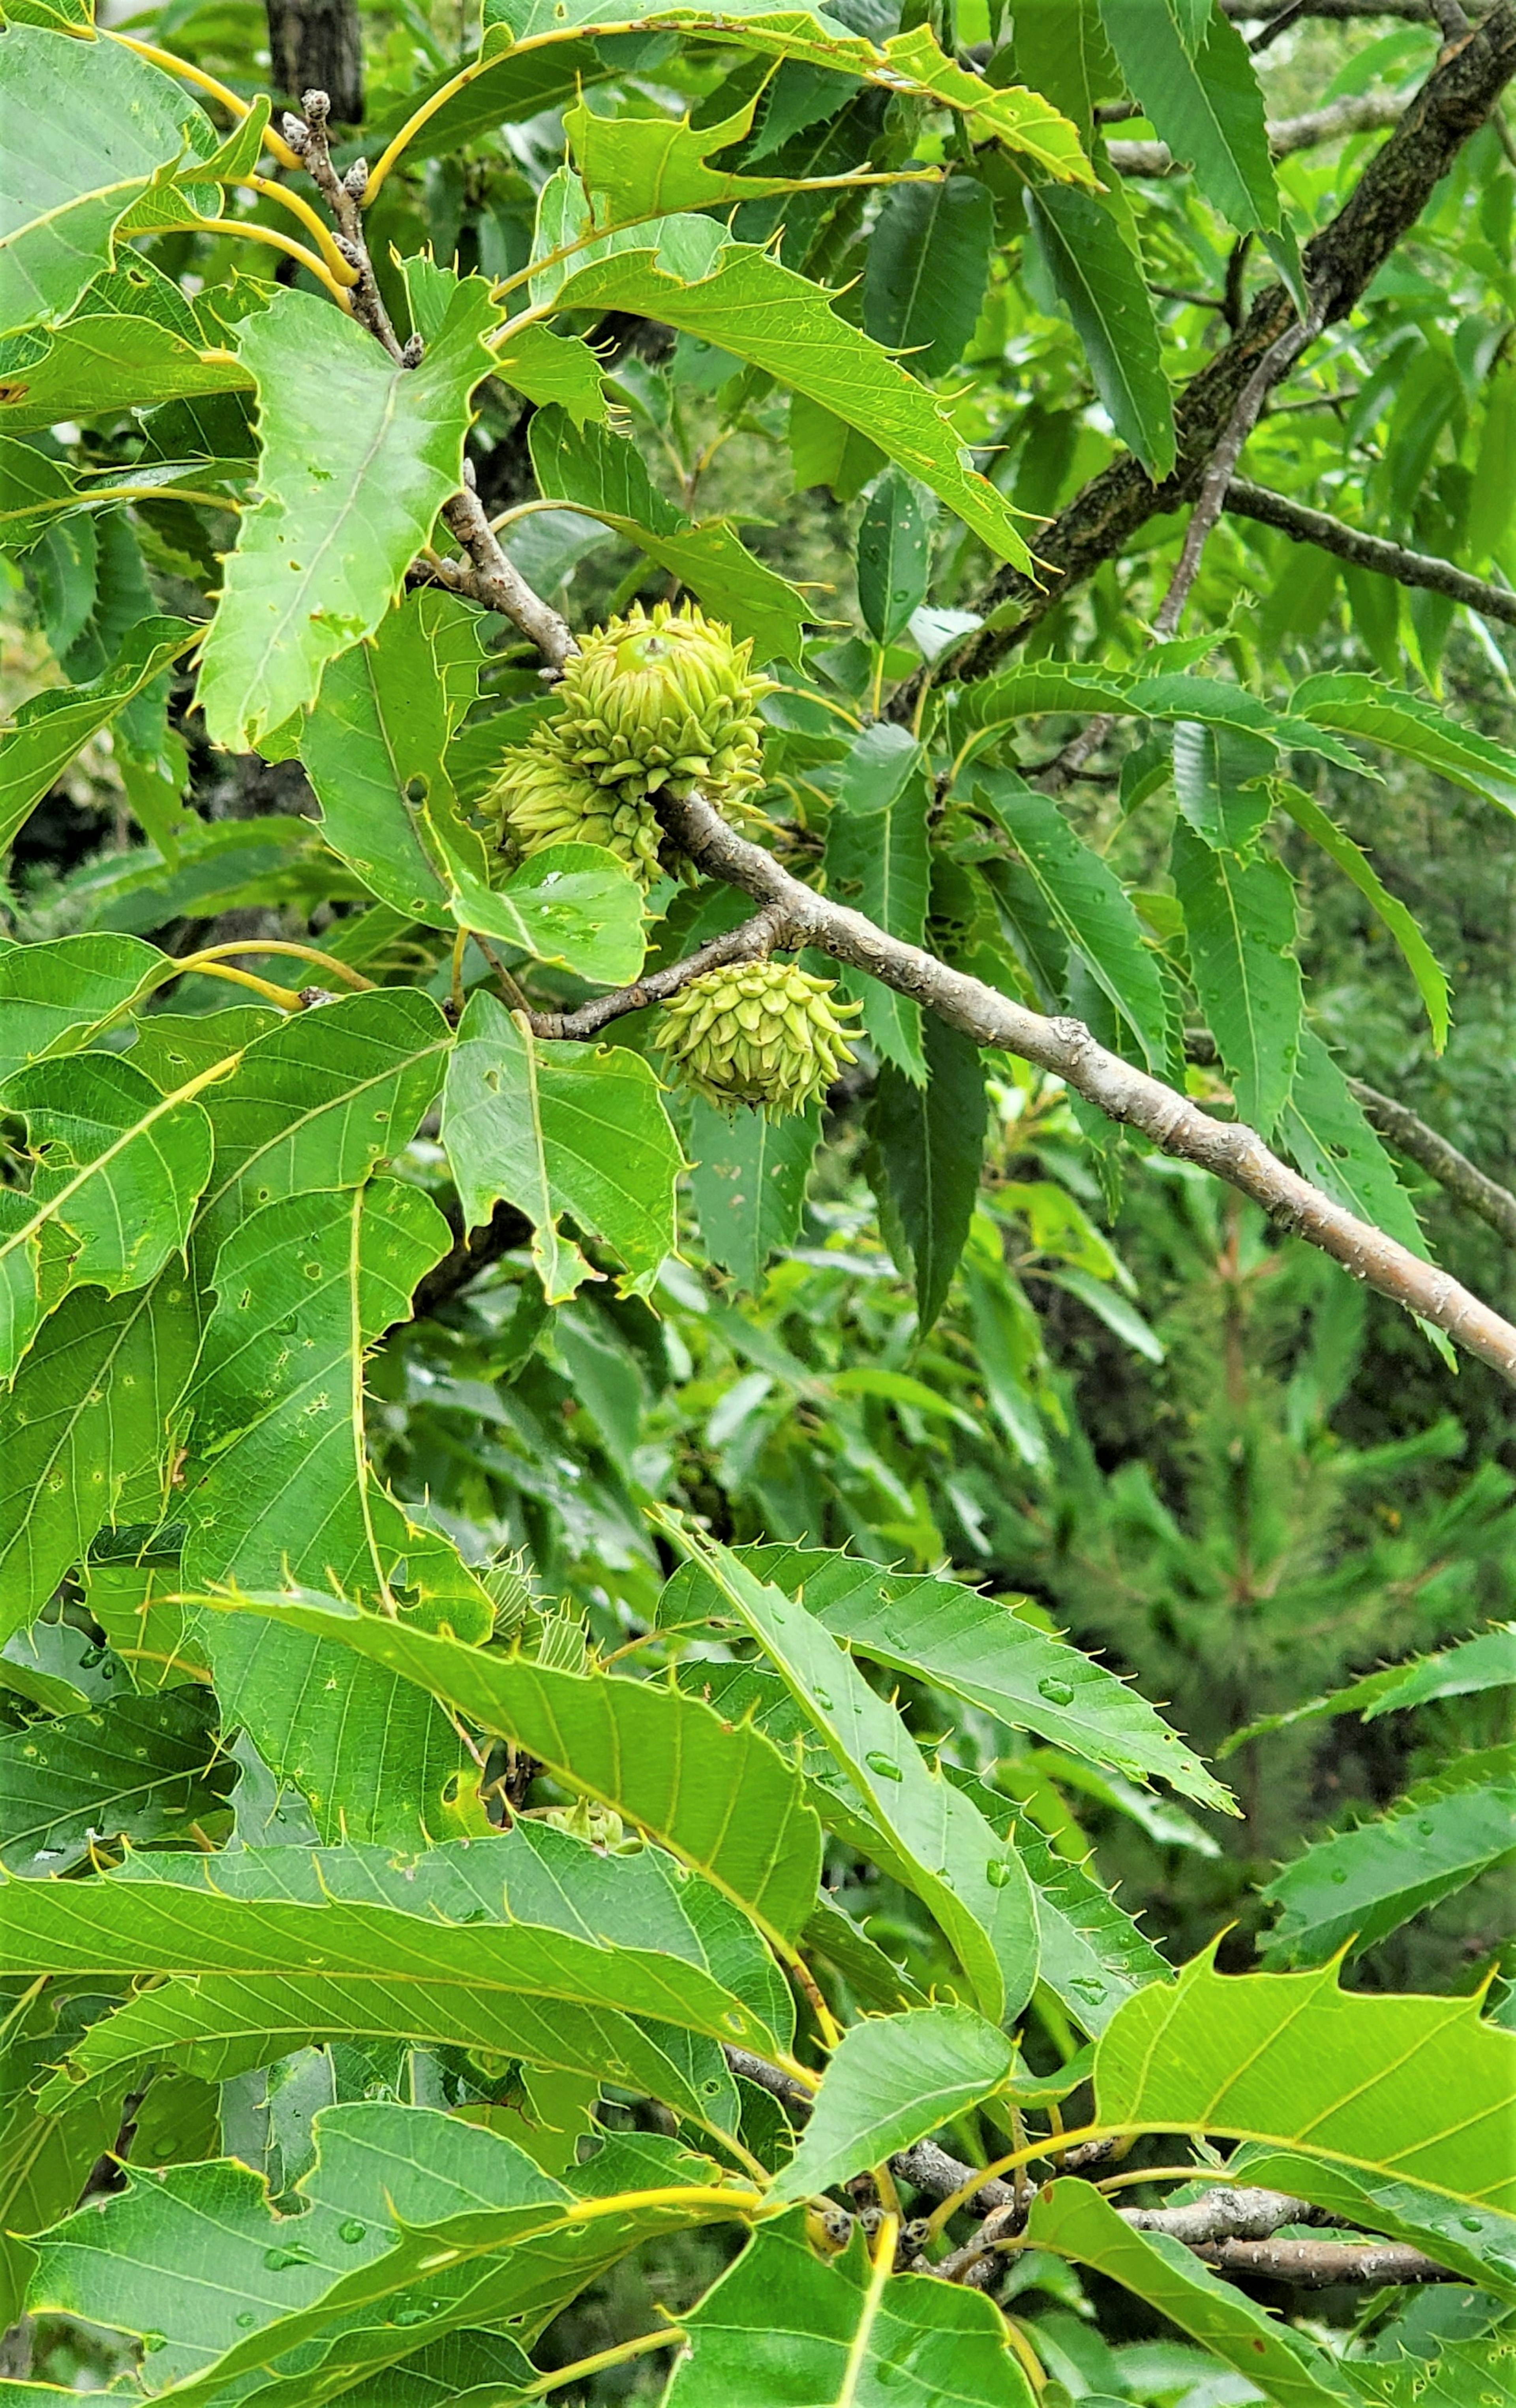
x,y
894,557
554,370
746,304
1087,902
931,1839
784,2324
1203,100
141,1769
1358,705
889,2083
132,341
50,729
321,1100
194,2262
1099,281
1486,1661
1478,2245
1219,776
1462,2371
601,473
92,131
357,455
1062,51
119,1168
748,1183
1094,1955
55,996
88,1421
1431,981
278,1485
931,1146
562,1128
1352,1890
1418,2088
974,1647
878,861
721,1799
1325,1129
1071,2219
1240,920
928,265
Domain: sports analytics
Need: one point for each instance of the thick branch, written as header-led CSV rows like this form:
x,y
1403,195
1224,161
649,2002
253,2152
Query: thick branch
x,y
1340,262
1360,113
1066,1047
1462,1179
1225,2215
1317,2265
1406,567
493,578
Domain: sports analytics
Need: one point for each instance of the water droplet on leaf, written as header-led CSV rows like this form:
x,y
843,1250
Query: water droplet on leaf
x,y
1058,1693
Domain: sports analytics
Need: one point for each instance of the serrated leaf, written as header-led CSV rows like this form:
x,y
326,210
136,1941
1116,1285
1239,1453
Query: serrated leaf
x,y
1099,281
1357,705
1431,981
1476,2246
195,2262
127,345
929,1837
746,304
55,996
748,1183
784,2323
1204,100
119,1169
141,1769
928,265
88,1418
1461,2372
93,133
931,1145
357,455
1486,1661
895,556
977,1649
1088,904
563,1128
555,370
50,729
888,2083
1353,1889
1241,920
721,1799
604,474
1071,2219
1325,1129
878,861
1416,2088
1219,776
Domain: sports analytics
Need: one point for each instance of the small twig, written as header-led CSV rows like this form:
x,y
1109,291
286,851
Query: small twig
x,y
1462,1179
342,195
1420,569
1316,2265
754,940
1364,112
493,578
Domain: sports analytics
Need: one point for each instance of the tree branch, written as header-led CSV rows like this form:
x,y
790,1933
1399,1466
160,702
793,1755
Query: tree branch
x,y
1349,543
1066,1047
1339,12
1360,113
1462,1179
1340,262
753,941
1317,2265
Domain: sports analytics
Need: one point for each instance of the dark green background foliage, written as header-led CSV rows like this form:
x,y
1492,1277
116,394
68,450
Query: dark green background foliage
x,y
575,1670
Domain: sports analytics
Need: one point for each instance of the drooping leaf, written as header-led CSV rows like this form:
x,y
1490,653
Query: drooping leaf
x,y
1358,705
1087,903
748,1184
1431,980
928,265
1324,1128
118,1170
357,455
1354,1889
600,472
563,1128
894,553
1220,777
1071,2218
933,1839
746,304
890,2081
1099,281
720,1798
784,2323
88,1422
1241,920
1204,100
878,861
931,1145
48,731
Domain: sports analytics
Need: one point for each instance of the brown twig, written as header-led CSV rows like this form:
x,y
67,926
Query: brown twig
x,y
308,135
753,941
1373,551
1317,2265
1462,1179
